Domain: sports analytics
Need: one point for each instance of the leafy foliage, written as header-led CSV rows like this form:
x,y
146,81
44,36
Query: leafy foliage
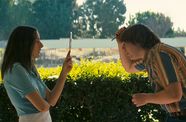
x,y
53,17
158,22
95,18
100,18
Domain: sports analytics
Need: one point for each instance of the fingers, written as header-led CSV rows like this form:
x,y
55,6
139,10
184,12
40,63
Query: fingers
x,y
68,54
67,66
135,102
137,99
69,61
68,57
134,99
70,65
120,31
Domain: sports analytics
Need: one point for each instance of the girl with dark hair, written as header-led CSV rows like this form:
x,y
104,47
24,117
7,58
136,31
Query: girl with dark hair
x,y
141,50
27,92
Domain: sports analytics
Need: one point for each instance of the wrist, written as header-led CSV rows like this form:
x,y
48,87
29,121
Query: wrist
x,y
149,97
63,72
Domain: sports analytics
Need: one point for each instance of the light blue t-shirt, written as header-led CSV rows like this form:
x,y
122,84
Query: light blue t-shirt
x,y
18,83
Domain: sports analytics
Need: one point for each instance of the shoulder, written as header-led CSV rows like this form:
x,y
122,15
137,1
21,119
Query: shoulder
x,y
162,49
170,53
17,75
169,49
16,71
18,68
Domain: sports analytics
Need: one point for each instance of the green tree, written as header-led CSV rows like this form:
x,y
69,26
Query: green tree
x,y
180,33
100,18
12,14
21,13
54,17
5,6
158,22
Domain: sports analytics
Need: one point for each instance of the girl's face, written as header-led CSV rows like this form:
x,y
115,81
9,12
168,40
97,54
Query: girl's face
x,y
37,47
132,51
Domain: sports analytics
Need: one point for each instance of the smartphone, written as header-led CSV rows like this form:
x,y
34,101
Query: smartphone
x,y
70,41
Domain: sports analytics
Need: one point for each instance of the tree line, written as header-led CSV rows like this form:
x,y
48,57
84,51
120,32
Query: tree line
x,y
93,19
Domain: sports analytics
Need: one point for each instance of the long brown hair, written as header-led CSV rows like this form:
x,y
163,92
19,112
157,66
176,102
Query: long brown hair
x,y
19,48
141,35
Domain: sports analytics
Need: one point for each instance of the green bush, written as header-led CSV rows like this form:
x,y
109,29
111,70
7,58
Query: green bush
x,y
94,92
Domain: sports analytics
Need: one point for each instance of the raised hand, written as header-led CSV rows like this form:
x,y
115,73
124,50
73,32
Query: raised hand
x,y
67,65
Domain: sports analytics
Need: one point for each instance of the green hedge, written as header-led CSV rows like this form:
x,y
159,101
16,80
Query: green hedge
x,y
95,92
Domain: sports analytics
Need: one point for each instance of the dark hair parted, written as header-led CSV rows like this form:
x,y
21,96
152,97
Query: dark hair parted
x,y
19,48
141,35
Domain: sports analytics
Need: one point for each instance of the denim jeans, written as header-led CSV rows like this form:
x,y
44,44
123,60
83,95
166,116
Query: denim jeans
x,y
176,119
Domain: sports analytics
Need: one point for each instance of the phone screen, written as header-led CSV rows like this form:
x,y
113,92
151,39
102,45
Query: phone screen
x,y
70,41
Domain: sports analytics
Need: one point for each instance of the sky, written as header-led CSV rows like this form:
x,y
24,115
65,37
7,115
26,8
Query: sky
x,y
171,8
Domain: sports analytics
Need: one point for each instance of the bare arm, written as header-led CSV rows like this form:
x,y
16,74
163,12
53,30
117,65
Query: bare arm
x,y
54,94
38,102
172,93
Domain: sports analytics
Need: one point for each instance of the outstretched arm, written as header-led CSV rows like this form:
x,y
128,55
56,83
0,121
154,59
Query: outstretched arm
x,y
172,93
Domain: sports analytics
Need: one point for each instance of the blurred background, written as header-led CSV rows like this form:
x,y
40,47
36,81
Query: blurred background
x,y
93,24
